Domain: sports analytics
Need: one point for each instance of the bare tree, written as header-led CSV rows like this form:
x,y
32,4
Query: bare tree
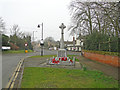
x,y
49,42
94,16
15,33
15,30
109,17
81,16
2,25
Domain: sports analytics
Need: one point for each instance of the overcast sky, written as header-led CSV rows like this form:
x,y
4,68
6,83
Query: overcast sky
x,y
29,13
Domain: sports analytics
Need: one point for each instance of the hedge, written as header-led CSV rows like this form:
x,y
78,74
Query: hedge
x,y
102,52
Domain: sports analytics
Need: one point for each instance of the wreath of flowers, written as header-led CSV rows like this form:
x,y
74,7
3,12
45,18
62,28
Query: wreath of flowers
x,y
57,60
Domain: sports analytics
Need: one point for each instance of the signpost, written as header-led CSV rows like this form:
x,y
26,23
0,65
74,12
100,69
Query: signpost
x,y
26,51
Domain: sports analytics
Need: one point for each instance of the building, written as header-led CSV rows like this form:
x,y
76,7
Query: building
x,y
75,45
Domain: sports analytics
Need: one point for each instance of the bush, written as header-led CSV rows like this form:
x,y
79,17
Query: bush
x,y
101,42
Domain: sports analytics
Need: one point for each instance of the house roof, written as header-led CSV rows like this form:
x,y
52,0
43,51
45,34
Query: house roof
x,y
80,37
68,42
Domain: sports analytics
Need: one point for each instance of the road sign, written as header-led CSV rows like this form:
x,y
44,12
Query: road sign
x,y
25,44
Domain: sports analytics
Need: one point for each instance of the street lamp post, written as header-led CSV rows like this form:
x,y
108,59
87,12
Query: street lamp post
x,y
33,35
33,39
41,43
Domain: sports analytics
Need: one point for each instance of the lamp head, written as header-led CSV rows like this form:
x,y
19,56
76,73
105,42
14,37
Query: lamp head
x,y
38,26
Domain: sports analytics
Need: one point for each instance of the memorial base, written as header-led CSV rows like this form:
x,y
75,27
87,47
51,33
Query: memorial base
x,y
61,59
61,53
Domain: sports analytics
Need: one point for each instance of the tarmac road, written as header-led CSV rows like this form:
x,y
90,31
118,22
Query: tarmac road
x,y
10,61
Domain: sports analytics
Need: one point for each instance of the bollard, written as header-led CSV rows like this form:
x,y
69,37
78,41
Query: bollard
x,y
26,51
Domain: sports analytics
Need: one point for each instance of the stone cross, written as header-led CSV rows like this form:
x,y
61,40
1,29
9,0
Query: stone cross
x,y
62,27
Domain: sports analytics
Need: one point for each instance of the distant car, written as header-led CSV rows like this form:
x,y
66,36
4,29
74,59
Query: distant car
x,y
5,48
50,48
66,49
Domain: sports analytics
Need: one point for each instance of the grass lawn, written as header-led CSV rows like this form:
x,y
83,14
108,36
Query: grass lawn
x,y
70,56
38,56
15,51
38,77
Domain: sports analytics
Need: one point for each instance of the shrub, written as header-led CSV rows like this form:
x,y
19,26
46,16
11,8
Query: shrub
x,y
102,52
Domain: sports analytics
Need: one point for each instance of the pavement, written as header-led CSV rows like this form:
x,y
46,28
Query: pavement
x,y
95,65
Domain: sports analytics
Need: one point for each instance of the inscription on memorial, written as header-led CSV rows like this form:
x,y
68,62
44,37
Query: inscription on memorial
x,y
62,53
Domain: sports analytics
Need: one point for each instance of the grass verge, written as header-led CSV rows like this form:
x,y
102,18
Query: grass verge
x,y
38,56
37,77
70,56
15,51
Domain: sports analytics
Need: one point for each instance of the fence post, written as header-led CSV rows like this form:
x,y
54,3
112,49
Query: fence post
x,y
109,44
99,46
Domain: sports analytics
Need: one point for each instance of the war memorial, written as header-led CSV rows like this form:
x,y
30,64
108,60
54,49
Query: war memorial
x,y
61,58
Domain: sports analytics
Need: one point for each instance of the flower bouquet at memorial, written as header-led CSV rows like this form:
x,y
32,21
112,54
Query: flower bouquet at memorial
x,y
61,61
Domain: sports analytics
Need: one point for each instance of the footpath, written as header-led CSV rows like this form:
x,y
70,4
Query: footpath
x,y
94,65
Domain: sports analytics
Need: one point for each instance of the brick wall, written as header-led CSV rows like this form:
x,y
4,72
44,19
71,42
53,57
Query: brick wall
x,y
107,59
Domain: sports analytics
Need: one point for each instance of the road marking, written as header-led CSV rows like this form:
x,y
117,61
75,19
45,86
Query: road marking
x,y
15,74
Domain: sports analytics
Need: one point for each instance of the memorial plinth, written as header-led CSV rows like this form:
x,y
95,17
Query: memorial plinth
x,y
61,53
